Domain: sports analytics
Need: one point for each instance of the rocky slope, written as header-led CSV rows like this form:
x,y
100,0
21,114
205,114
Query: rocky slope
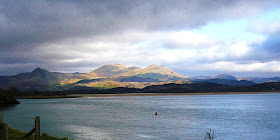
x,y
107,76
38,79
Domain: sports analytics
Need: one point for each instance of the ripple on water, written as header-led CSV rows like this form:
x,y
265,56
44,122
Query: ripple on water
x,y
88,133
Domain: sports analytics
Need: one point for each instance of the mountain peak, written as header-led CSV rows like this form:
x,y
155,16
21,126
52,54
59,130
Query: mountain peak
x,y
156,66
161,70
225,76
154,69
108,70
39,70
114,65
153,65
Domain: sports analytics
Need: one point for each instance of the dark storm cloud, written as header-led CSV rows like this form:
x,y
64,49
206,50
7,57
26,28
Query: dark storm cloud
x,y
272,44
27,25
269,50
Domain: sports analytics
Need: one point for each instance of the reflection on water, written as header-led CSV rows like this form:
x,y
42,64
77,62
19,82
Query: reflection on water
x,y
254,116
88,133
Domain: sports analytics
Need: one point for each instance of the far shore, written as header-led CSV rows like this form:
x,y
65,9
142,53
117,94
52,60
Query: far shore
x,y
135,94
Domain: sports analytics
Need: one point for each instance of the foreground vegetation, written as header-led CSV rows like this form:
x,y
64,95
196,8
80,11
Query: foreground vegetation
x,y
16,134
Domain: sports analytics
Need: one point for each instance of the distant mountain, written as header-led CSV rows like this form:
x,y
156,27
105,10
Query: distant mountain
x,y
262,80
111,70
202,77
119,78
160,73
112,76
121,73
224,79
221,76
107,76
224,76
38,79
107,71
226,82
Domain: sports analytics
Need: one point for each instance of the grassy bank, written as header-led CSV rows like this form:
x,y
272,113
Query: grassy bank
x,y
16,134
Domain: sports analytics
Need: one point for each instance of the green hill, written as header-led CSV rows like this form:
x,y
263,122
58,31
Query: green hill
x,y
224,76
111,70
113,75
226,82
153,69
38,79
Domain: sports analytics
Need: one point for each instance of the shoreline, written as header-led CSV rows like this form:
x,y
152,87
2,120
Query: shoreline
x,y
136,94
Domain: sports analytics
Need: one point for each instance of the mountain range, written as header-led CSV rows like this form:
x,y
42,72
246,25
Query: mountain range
x,y
112,76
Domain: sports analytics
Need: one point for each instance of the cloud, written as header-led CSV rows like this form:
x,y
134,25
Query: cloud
x,y
186,39
273,66
81,35
137,48
132,49
272,44
28,23
264,28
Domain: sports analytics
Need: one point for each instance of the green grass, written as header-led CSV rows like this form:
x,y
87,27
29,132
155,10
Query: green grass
x,y
16,134
104,87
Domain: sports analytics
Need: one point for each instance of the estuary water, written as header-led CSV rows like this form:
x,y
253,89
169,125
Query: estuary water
x,y
232,117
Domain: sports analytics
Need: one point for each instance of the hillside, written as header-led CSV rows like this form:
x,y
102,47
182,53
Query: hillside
x,y
224,76
107,76
112,70
38,79
112,76
262,80
226,82
106,71
225,79
116,75
153,69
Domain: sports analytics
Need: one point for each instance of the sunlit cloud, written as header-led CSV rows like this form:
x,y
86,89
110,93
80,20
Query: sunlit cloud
x,y
70,36
265,28
273,66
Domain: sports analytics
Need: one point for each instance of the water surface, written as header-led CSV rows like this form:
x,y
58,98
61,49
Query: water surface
x,y
242,116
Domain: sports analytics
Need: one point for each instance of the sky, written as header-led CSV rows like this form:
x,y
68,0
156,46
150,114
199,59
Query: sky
x,y
191,37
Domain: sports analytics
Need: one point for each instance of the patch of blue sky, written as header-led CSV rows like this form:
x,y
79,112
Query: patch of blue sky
x,y
142,44
238,30
229,31
269,17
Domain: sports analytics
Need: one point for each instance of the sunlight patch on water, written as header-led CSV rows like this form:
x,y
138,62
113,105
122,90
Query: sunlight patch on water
x,y
89,133
144,136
